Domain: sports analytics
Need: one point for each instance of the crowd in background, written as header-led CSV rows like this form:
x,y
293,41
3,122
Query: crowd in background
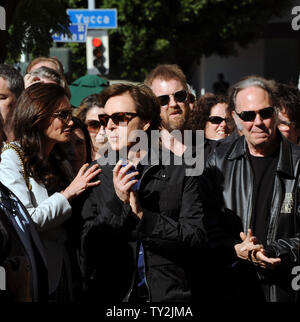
x,y
75,229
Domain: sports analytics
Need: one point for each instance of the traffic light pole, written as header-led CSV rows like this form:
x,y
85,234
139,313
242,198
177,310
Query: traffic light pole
x,y
91,4
97,57
92,58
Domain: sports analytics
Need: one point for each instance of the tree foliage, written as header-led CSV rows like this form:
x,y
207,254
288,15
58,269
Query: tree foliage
x,y
149,31
31,24
178,31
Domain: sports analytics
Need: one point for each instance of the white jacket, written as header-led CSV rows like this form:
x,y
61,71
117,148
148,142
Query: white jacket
x,y
48,212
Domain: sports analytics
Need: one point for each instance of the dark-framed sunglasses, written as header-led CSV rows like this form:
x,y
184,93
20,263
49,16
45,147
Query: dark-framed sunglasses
x,y
249,116
93,125
179,97
64,115
117,118
217,119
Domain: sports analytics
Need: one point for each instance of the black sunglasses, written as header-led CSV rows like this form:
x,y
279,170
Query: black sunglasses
x,y
217,119
64,115
116,118
179,96
249,116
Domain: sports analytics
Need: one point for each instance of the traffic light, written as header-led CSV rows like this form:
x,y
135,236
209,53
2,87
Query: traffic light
x,y
97,52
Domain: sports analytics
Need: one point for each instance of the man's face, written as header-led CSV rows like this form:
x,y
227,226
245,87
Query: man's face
x,y
121,133
175,113
7,99
261,131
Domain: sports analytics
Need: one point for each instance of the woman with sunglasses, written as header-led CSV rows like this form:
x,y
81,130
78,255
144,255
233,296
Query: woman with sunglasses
x,y
88,112
211,115
37,175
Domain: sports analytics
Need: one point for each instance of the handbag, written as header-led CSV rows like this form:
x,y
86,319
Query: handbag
x,y
19,152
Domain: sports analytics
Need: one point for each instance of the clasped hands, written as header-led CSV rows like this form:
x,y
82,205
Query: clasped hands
x,y
251,250
123,183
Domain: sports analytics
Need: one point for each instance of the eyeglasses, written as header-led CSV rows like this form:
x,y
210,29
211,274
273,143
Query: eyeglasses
x,y
179,96
249,116
217,119
117,118
64,115
93,125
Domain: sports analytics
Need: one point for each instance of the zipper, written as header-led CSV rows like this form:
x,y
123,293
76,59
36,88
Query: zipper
x,y
133,277
274,217
248,219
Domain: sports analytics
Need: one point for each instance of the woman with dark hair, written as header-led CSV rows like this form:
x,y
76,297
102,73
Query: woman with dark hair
x,y
88,111
31,169
211,114
23,267
78,150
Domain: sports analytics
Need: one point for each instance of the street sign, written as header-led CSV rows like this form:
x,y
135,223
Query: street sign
x,y
78,32
95,19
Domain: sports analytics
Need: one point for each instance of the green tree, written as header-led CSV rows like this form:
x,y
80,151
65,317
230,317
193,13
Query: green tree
x,y
30,24
149,31
178,31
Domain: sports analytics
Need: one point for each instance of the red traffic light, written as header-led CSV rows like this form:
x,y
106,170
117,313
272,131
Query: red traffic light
x,y
97,42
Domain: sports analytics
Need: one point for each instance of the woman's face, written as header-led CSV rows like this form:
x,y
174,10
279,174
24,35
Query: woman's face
x,y
76,150
93,126
287,127
216,128
58,127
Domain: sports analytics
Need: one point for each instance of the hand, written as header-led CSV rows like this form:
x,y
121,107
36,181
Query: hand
x,y
242,249
82,181
258,257
122,181
135,204
265,262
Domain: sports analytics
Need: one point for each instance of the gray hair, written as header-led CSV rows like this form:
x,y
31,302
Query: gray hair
x,y
48,73
252,81
14,79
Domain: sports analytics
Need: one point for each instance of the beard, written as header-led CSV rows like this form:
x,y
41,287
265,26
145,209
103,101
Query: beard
x,y
178,122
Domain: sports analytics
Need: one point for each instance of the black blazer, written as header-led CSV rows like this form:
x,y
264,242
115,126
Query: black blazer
x,y
171,232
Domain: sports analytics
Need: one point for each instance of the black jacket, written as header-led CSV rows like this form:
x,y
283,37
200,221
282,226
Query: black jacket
x,y
171,232
25,266
229,175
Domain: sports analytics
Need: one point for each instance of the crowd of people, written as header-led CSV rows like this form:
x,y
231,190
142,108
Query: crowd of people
x,y
97,203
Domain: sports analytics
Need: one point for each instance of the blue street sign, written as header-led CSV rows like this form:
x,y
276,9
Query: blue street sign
x,y
78,32
95,19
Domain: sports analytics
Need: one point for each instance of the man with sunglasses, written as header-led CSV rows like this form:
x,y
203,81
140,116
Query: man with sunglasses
x,y
144,223
168,83
254,181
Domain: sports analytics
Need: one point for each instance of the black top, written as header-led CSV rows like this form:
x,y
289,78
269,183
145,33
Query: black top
x,y
264,173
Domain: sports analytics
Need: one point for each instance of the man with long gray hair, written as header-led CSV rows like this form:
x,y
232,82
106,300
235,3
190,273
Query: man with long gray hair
x,y
254,180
